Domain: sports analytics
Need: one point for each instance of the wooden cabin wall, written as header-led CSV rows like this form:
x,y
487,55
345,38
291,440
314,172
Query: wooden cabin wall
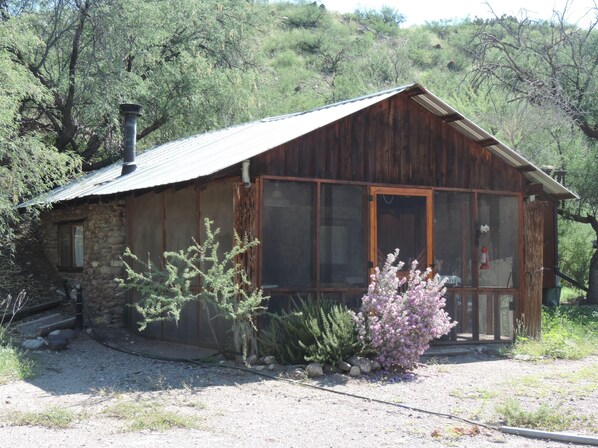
x,y
167,220
531,304
396,141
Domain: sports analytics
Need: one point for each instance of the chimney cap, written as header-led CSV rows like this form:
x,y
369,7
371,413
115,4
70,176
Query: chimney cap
x,y
130,108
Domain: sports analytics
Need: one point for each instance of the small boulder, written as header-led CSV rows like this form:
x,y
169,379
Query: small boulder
x,y
297,373
67,334
34,344
314,370
268,360
364,364
328,369
273,367
252,360
344,366
57,342
376,365
355,371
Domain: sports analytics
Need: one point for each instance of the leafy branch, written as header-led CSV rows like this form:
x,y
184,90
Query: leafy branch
x,y
225,286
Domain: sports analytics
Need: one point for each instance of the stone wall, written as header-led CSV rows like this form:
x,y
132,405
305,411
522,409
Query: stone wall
x,y
104,235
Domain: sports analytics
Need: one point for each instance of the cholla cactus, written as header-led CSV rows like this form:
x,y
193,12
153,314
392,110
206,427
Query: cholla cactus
x,y
400,325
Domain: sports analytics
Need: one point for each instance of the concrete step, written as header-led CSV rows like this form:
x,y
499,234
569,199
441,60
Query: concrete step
x,y
29,329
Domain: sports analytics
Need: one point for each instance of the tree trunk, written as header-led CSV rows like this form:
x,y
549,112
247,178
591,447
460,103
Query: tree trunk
x,y
593,281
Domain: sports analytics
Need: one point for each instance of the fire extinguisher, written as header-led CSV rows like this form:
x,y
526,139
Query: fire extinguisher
x,y
484,258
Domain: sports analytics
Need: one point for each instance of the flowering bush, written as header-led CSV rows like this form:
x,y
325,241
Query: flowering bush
x,y
397,325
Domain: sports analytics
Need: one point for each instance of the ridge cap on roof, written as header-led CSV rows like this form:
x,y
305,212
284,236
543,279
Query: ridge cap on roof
x,y
339,103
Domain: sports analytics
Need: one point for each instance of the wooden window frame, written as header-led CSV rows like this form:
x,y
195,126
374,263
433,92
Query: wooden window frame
x,y
71,226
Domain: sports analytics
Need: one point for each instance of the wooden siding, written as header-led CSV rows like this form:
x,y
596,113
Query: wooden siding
x,y
533,236
396,141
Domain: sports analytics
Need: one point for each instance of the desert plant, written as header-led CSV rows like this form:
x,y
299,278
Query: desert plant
x,y
8,310
54,417
225,286
551,418
568,332
334,335
315,330
400,325
13,363
149,416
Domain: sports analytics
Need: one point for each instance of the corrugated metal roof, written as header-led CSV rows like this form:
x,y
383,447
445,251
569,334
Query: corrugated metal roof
x,y
205,154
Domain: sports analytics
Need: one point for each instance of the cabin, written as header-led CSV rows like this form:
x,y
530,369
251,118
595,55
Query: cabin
x,y
328,193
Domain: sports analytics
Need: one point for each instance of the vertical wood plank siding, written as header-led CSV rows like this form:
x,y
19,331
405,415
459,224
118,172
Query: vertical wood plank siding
x,y
396,141
531,306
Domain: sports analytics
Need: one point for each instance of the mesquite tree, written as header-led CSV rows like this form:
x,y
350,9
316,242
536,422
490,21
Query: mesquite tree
x,y
185,61
553,65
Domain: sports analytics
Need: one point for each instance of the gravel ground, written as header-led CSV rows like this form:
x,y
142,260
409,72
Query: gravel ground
x,y
230,408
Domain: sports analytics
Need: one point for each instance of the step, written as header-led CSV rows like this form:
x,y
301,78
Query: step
x,y
29,329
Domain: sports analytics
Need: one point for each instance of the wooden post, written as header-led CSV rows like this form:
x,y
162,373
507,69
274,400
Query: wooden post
x,y
245,222
533,239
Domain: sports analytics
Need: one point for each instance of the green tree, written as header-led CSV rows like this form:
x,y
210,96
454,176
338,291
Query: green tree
x,y
551,65
187,62
28,164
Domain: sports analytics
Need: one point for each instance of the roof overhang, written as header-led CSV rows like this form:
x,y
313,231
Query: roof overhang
x,y
205,154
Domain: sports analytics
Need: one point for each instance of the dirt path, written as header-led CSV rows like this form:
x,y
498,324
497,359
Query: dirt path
x,y
103,390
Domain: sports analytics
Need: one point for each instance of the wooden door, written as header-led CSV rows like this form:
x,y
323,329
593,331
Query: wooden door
x,y
401,218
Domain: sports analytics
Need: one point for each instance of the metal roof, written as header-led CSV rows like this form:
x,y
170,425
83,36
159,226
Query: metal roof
x,y
204,154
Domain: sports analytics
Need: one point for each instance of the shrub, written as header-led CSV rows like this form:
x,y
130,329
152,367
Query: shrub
x,y
550,418
568,332
320,331
226,287
400,325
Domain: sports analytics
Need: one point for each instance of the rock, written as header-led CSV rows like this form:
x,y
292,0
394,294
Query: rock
x,y
273,367
57,342
297,374
328,369
344,366
34,344
355,371
252,360
314,370
269,360
67,334
492,351
376,366
523,357
364,364
262,367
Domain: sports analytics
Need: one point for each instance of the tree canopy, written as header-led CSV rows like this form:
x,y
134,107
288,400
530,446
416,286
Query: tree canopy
x,y
197,65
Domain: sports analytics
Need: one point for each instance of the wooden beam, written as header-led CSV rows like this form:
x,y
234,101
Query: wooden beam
x,y
451,117
415,92
487,142
534,189
526,168
561,196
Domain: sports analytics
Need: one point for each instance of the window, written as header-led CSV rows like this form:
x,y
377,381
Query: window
x,y
342,229
70,246
302,243
288,235
453,238
497,236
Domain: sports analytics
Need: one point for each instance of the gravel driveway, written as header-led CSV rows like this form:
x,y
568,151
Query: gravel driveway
x,y
102,389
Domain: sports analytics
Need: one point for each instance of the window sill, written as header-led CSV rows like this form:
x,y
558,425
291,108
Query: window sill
x,y
69,269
